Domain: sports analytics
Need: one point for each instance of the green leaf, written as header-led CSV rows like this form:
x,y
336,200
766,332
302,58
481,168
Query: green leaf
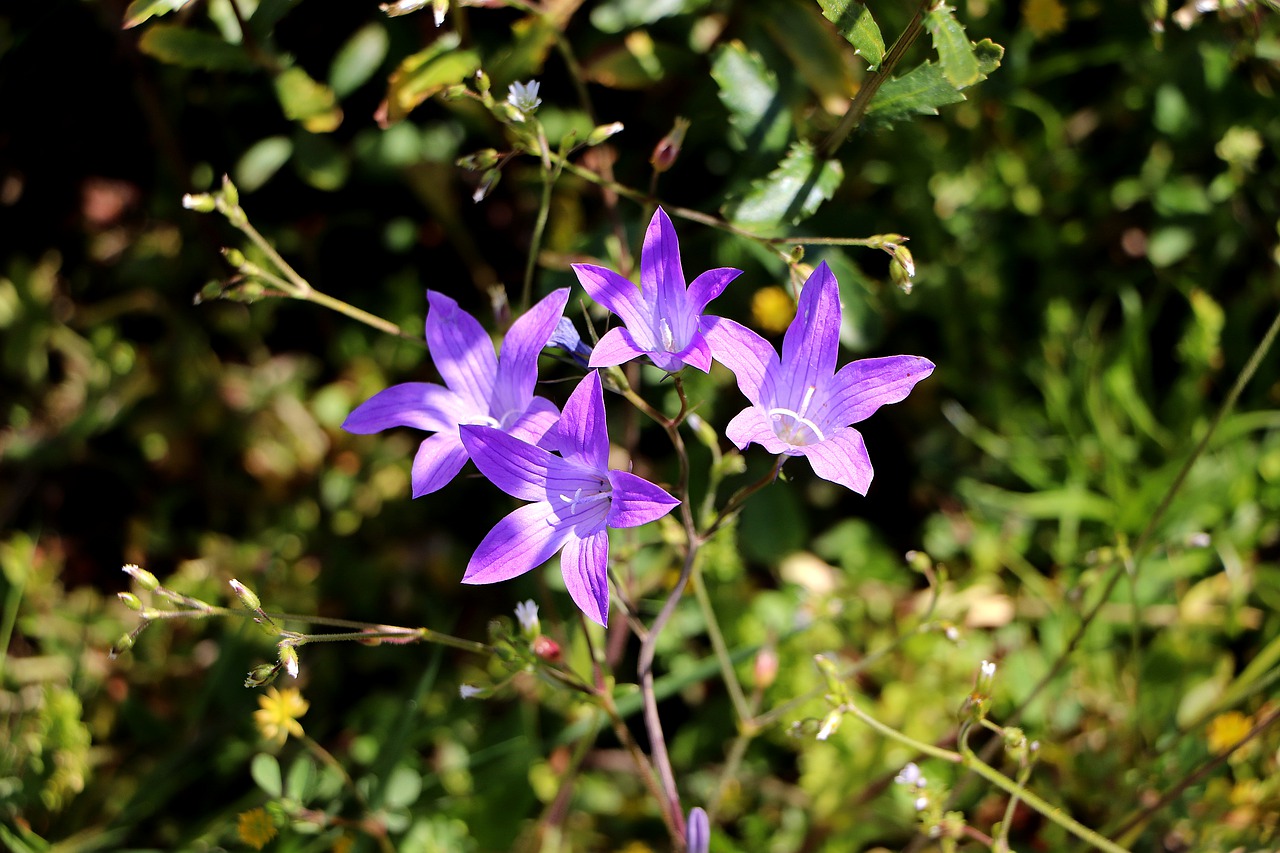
x,y
955,53
142,10
403,788
425,73
177,45
759,120
303,776
312,104
319,161
358,59
263,159
925,88
265,770
853,21
789,194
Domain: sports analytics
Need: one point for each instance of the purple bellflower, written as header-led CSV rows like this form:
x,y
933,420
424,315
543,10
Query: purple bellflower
x,y
801,405
662,319
574,497
480,388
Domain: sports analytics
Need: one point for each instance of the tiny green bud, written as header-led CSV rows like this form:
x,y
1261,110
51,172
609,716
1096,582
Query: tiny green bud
x,y
130,600
483,83
455,92
262,675
200,202
229,192
121,646
149,613
289,659
485,158
235,257
668,147
141,576
830,725
246,595
603,132
487,183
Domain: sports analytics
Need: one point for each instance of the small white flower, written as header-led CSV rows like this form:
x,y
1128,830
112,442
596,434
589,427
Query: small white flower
x,y
469,691
953,633
829,726
910,775
527,615
524,96
922,803
988,669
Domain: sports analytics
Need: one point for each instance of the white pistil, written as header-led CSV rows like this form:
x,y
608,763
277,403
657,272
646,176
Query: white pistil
x,y
668,339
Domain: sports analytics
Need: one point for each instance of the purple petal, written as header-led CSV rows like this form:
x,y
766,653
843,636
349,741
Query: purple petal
x,y
697,354
621,297
437,462
518,362
585,566
615,347
461,350
751,358
752,426
697,832
636,501
515,466
661,278
536,421
523,540
708,286
812,342
566,337
842,459
422,405
581,435
861,387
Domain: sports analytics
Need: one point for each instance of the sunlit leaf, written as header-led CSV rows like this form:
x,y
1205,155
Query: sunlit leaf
x,y
265,770
615,16
760,121
319,161
426,73
955,53
925,88
312,104
263,159
790,193
853,21
358,59
142,10
177,45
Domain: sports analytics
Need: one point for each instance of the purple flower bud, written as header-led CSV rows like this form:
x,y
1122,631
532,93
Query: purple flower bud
x,y
697,832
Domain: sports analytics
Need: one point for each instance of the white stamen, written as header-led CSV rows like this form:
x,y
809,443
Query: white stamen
x,y
668,339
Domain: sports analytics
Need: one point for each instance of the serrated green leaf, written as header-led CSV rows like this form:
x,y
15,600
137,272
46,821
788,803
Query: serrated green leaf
x,y
853,21
177,45
918,92
358,59
790,193
425,73
306,101
142,10
265,770
925,88
955,53
749,90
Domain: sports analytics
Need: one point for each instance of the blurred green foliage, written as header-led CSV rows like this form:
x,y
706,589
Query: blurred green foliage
x,y
1094,229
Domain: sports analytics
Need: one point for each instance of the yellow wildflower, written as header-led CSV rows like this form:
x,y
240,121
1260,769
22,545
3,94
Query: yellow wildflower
x,y
1044,17
278,716
1227,730
255,828
772,310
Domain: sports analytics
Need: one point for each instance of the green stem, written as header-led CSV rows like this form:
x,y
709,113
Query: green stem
x,y
549,175
862,100
727,672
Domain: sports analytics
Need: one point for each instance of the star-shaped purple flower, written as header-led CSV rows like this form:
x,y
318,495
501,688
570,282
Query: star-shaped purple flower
x,y
800,405
574,498
479,388
662,319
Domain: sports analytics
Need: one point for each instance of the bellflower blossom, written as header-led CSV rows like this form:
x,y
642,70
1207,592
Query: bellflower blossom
x,y
480,387
800,404
662,319
574,498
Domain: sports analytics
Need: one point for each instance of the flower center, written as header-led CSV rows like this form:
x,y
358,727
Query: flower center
x,y
668,339
793,426
583,499
486,420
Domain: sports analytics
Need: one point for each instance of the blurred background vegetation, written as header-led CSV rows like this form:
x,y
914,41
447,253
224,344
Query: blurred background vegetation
x,y
1094,228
